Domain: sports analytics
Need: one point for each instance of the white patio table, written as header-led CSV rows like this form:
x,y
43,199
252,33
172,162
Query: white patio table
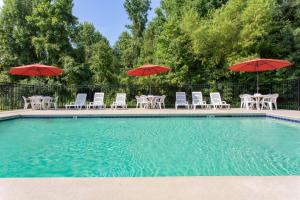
x,y
152,100
40,102
258,98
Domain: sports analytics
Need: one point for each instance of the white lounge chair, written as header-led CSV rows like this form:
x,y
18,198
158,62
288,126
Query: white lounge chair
x,y
216,101
181,100
98,101
197,100
120,101
269,101
79,102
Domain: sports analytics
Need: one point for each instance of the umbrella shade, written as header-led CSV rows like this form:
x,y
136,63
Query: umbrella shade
x,y
36,70
260,65
147,70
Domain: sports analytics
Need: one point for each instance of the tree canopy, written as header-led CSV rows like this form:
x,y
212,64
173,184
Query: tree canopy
x,y
198,39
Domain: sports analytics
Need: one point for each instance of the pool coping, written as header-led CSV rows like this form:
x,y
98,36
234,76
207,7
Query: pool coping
x,y
173,113
175,188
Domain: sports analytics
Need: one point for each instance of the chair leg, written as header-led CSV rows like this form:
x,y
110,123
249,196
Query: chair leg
x,y
270,106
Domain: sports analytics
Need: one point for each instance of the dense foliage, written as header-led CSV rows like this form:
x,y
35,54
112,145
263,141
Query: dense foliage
x,y
199,39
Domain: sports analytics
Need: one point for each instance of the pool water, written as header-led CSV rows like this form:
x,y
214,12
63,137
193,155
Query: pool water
x,y
148,147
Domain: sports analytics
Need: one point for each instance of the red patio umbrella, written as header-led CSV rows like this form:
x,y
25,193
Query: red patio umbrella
x,y
147,70
36,70
260,65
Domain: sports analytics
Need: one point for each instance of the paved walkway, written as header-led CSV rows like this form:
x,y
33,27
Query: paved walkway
x,y
180,188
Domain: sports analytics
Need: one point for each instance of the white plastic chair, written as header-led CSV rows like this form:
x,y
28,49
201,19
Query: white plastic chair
x,y
47,102
181,100
138,101
26,102
98,101
242,100
247,101
145,103
270,100
54,103
197,100
36,102
160,102
79,102
216,101
120,101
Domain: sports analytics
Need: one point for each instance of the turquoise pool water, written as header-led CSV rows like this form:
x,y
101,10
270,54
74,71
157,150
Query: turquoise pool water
x,y
142,147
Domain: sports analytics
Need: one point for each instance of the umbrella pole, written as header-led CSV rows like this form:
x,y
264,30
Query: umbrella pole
x,y
149,85
257,86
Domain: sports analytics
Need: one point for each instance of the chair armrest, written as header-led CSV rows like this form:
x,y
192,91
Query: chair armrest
x,y
224,102
203,102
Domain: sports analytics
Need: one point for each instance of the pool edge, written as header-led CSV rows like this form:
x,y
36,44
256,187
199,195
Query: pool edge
x,y
16,115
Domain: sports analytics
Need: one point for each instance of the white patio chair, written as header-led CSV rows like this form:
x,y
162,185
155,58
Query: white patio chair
x,y
79,102
242,100
216,101
248,102
160,102
98,101
197,100
54,103
138,101
36,102
145,103
26,102
47,102
120,101
270,100
181,100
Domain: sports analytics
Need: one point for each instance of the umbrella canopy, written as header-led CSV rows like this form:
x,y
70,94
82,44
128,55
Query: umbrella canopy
x,y
260,65
147,70
36,70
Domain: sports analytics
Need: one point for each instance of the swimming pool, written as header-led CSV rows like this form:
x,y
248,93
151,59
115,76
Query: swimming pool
x,y
148,147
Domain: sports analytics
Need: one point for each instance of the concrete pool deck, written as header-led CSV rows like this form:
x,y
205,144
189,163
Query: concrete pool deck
x,y
158,188
177,188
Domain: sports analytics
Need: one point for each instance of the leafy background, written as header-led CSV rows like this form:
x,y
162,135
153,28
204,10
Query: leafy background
x,y
198,39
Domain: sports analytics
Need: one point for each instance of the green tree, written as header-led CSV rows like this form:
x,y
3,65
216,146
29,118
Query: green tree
x,y
54,24
101,63
123,50
75,73
86,35
137,11
230,34
15,34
